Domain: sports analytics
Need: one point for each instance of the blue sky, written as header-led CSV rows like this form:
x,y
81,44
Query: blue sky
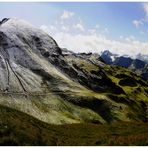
x,y
124,24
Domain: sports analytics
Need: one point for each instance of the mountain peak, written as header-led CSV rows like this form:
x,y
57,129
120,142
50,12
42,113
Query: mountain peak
x,y
106,52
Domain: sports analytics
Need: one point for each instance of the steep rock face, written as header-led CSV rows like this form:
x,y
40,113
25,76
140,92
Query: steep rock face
x,y
56,86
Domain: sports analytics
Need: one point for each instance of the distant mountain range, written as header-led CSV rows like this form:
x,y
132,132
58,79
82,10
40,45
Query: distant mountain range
x,y
138,65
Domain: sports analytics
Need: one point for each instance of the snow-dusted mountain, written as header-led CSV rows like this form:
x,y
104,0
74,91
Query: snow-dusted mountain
x,y
108,57
138,64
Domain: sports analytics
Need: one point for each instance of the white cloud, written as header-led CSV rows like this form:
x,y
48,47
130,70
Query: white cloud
x,y
145,7
137,23
67,14
79,26
97,43
72,35
140,22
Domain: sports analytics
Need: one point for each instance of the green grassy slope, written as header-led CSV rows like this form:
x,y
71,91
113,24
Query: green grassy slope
x,y
90,92
17,128
122,93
